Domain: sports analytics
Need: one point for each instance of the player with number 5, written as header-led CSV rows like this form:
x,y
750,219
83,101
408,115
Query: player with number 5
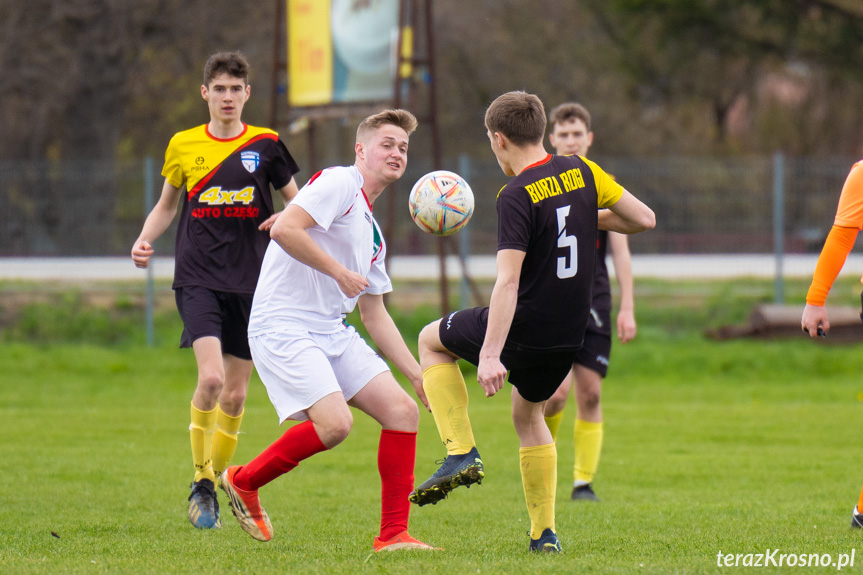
x,y
547,222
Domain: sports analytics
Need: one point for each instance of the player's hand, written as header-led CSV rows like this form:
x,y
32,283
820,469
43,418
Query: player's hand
x,y
814,320
268,223
491,375
351,283
141,253
421,394
625,325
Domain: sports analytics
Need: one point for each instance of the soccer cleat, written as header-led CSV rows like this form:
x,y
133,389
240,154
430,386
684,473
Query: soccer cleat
x,y
402,541
856,519
456,470
203,505
583,492
547,543
246,507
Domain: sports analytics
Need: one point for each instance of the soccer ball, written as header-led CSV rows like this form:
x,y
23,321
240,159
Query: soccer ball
x,y
441,203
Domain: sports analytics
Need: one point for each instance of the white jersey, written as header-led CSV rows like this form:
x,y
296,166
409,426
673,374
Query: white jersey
x,y
290,293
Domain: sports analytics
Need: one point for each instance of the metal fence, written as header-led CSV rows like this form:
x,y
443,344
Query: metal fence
x,y
703,205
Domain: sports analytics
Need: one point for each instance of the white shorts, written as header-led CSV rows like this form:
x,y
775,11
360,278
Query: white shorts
x,y
299,368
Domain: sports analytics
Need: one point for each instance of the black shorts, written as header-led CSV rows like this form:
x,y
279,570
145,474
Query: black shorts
x,y
535,373
218,314
596,350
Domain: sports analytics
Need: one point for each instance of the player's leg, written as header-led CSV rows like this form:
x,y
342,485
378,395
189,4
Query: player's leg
x,y
237,363
387,403
229,411
538,462
203,506
588,432
301,384
556,404
447,395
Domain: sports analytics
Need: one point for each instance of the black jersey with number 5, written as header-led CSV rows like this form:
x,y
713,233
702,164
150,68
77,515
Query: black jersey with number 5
x,y
549,212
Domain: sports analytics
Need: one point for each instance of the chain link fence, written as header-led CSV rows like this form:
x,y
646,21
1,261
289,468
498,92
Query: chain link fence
x,y
703,205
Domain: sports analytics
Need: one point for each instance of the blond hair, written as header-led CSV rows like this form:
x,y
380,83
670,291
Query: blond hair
x,y
397,117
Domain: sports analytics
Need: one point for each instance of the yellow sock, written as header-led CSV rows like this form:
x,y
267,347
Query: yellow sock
x,y
225,439
553,423
201,433
447,395
588,445
539,478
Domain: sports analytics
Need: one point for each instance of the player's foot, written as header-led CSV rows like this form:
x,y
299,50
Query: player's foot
x,y
856,519
456,470
547,543
203,505
583,492
246,507
402,541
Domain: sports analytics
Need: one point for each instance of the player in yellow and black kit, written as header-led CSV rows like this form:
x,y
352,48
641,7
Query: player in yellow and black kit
x,y
534,325
223,170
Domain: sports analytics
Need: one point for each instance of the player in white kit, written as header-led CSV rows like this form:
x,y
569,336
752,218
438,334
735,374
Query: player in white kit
x,y
326,257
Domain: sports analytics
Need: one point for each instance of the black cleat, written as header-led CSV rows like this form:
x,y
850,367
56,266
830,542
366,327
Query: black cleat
x,y
547,543
856,519
583,492
456,470
203,505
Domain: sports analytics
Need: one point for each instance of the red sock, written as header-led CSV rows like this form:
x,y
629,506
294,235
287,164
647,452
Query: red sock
x,y
396,457
860,503
298,443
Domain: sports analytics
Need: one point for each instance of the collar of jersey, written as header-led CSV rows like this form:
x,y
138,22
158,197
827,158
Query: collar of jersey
x,y
212,137
545,160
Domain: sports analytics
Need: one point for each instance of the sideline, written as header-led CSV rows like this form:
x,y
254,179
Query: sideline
x,y
426,267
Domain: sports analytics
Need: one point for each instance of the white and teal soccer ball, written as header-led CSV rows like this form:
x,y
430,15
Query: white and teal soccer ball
x,y
441,203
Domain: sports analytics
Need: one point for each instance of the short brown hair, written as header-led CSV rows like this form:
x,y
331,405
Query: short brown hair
x,y
401,118
234,64
519,116
570,111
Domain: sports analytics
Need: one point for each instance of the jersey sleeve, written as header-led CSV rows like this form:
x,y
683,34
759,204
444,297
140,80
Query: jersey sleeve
x,y
608,191
173,168
283,167
513,219
849,214
327,197
379,280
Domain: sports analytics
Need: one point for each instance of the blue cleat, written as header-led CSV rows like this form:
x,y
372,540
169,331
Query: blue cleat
x,y
456,470
583,492
547,543
203,505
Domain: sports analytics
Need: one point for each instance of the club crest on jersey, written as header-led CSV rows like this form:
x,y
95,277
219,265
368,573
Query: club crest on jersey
x,y
250,160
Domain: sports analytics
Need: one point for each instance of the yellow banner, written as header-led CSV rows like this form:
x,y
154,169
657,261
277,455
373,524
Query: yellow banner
x,y
310,53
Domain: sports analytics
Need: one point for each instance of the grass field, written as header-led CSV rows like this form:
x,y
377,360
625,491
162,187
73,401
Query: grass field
x,y
740,447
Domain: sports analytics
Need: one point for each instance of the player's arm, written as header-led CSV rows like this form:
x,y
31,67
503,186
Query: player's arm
x,y
383,331
289,231
836,248
155,225
622,260
287,192
491,374
628,215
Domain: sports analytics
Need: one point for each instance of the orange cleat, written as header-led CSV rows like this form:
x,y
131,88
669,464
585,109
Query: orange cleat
x,y
246,507
402,541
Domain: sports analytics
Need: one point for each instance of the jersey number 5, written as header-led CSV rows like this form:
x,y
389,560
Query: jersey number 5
x,y
566,266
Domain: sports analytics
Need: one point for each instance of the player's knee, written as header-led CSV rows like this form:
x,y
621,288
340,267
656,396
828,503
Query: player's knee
x,y
589,400
232,400
334,429
211,382
408,414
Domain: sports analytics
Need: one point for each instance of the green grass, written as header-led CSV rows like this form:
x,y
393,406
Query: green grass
x,y
737,446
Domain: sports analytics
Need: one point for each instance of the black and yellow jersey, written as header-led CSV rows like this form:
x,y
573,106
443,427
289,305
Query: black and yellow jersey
x,y
227,196
549,211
